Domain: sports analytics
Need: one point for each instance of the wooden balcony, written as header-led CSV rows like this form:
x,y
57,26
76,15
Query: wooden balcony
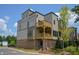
x,y
42,36
43,23
43,33
43,30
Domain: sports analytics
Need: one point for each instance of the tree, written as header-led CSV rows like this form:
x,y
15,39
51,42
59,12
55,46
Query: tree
x,y
65,31
0,40
8,38
3,38
76,10
11,40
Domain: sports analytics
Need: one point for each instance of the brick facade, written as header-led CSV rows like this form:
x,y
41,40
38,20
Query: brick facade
x,y
30,34
30,44
25,43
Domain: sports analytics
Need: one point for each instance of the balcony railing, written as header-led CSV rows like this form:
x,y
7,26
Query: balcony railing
x,y
43,24
43,36
43,29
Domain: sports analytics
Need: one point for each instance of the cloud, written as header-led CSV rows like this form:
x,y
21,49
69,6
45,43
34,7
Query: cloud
x,y
72,18
6,18
4,30
15,34
15,24
3,25
2,20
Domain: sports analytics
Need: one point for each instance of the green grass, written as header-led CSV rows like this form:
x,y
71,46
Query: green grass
x,y
72,50
0,46
27,50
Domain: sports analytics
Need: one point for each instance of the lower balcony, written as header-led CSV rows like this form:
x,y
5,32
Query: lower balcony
x,y
42,36
43,33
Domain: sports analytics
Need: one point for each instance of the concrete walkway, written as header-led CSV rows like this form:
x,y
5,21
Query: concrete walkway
x,y
29,52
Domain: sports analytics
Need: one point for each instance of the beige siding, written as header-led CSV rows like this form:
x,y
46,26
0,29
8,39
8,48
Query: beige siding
x,y
48,18
55,26
51,18
40,17
22,31
27,30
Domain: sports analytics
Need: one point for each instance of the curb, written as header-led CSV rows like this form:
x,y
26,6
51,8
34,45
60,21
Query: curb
x,y
25,52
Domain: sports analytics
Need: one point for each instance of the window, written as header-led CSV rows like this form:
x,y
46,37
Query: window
x,y
60,34
31,23
54,22
28,24
30,32
55,33
40,30
47,30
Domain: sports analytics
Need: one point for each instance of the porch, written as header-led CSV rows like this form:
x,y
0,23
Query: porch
x,y
43,30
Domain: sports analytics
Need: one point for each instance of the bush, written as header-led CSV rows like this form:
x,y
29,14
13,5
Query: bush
x,y
66,43
72,50
59,44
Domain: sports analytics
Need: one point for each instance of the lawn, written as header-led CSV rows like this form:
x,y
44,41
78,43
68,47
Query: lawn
x,y
70,50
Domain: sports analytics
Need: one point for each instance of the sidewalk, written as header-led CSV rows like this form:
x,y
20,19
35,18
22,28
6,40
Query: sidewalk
x,y
28,51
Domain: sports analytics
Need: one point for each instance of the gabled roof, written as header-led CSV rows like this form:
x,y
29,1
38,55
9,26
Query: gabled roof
x,y
28,10
46,14
40,13
50,13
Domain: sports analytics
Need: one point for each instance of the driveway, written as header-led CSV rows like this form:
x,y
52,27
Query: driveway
x,y
14,51
11,51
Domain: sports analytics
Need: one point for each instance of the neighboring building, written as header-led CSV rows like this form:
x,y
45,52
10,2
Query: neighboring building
x,y
5,43
36,30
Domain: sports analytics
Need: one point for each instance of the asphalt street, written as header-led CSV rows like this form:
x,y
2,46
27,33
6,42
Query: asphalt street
x,y
10,51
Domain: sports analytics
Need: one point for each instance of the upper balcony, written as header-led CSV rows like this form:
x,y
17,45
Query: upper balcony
x,y
43,30
43,23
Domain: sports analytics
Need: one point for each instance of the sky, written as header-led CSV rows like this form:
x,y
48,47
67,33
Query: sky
x,y
11,13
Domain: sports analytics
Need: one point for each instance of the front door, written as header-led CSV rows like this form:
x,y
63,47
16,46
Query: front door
x,y
40,43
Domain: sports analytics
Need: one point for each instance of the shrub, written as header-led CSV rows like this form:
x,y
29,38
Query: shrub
x,y
59,44
72,50
66,43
